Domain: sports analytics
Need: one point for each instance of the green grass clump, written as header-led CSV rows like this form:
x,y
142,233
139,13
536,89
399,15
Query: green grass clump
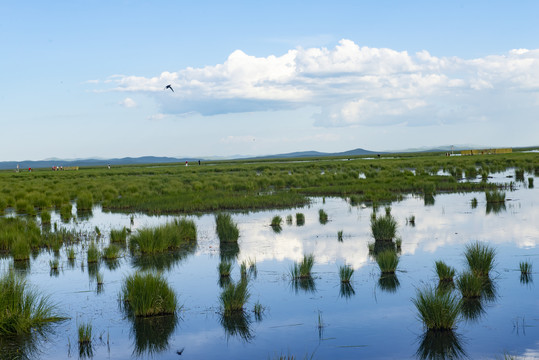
x,y
300,219
45,217
470,285
71,253
495,196
302,270
234,297
525,267
276,221
289,219
93,253
322,217
474,203
383,228
20,250
345,273
437,310
19,232
339,236
66,212
148,295
445,272
530,183
225,268
118,236
387,261
166,237
111,252
85,201
226,229
85,333
54,264
22,308
480,258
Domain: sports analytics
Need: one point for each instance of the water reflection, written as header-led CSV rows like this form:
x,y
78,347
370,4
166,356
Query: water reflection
x,y
428,200
21,347
526,278
86,350
237,324
440,345
306,284
389,282
22,266
472,309
152,334
229,251
346,290
84,215
495,208
163,261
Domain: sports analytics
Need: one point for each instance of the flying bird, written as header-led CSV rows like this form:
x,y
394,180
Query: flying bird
x,y
169,87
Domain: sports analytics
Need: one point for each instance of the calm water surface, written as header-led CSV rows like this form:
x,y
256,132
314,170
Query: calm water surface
x,y
372,319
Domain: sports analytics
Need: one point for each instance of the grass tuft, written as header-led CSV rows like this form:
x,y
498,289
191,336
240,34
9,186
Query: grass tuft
x,y
445,272
437,310
148,295
300,219
525,267
470,285
234,297
302,270
226,229
322,217
345,273
387,261
480,258
383,228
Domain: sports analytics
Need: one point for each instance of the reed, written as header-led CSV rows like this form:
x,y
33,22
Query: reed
x,y
480,258
345,273
470,285
525,267
445,272
226,229
234,297
23,308
322,217
300,219
148,295
302,269
388,261
437,310
383,228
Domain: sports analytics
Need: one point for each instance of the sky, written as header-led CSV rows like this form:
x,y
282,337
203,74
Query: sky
x,y
86,78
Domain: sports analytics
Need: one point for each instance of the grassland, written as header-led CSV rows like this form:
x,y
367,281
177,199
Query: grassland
x,y
248,185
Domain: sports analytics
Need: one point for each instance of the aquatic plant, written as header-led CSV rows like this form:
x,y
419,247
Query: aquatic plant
x,y
388,261
66,212
170,236
118,236
383,228
388,282
224,268
411,220
99,278
302,269
440,345
234,297
85,201
530,182
226,229
470,285
474,203
339,236
71,253
345,273
445,272
111,252
45,217
23,308
300,219
93,253
289,219
276,221
54,264
495,196
148,295
480,258
85,333
519,175
258,309
322,217
20,250
437,310
525,267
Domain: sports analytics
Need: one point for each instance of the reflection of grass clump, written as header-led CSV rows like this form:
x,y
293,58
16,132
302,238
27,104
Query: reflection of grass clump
x,y
148,295
302,270
300,219
226,229
437,310
322,216
495,196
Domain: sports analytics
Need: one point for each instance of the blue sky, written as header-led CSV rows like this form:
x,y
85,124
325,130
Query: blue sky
x,y
85,78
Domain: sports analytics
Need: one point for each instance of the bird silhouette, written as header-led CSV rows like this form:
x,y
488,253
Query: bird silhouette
x,y
179,352
169,87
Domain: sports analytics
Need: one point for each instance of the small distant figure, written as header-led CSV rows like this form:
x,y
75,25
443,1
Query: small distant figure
x,y
169,87
108,166
378,155
198,162
29,169
17,167
186,163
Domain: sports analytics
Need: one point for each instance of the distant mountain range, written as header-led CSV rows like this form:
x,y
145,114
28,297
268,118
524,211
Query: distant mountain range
x,y
49,163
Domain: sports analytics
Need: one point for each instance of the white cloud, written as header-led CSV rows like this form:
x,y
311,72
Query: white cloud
x,y
128,102
352,85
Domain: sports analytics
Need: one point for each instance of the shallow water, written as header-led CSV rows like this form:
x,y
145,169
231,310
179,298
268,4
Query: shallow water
x,y
373,319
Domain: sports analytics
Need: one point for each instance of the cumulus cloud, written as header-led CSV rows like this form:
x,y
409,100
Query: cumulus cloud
x,y
351,85
128,102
